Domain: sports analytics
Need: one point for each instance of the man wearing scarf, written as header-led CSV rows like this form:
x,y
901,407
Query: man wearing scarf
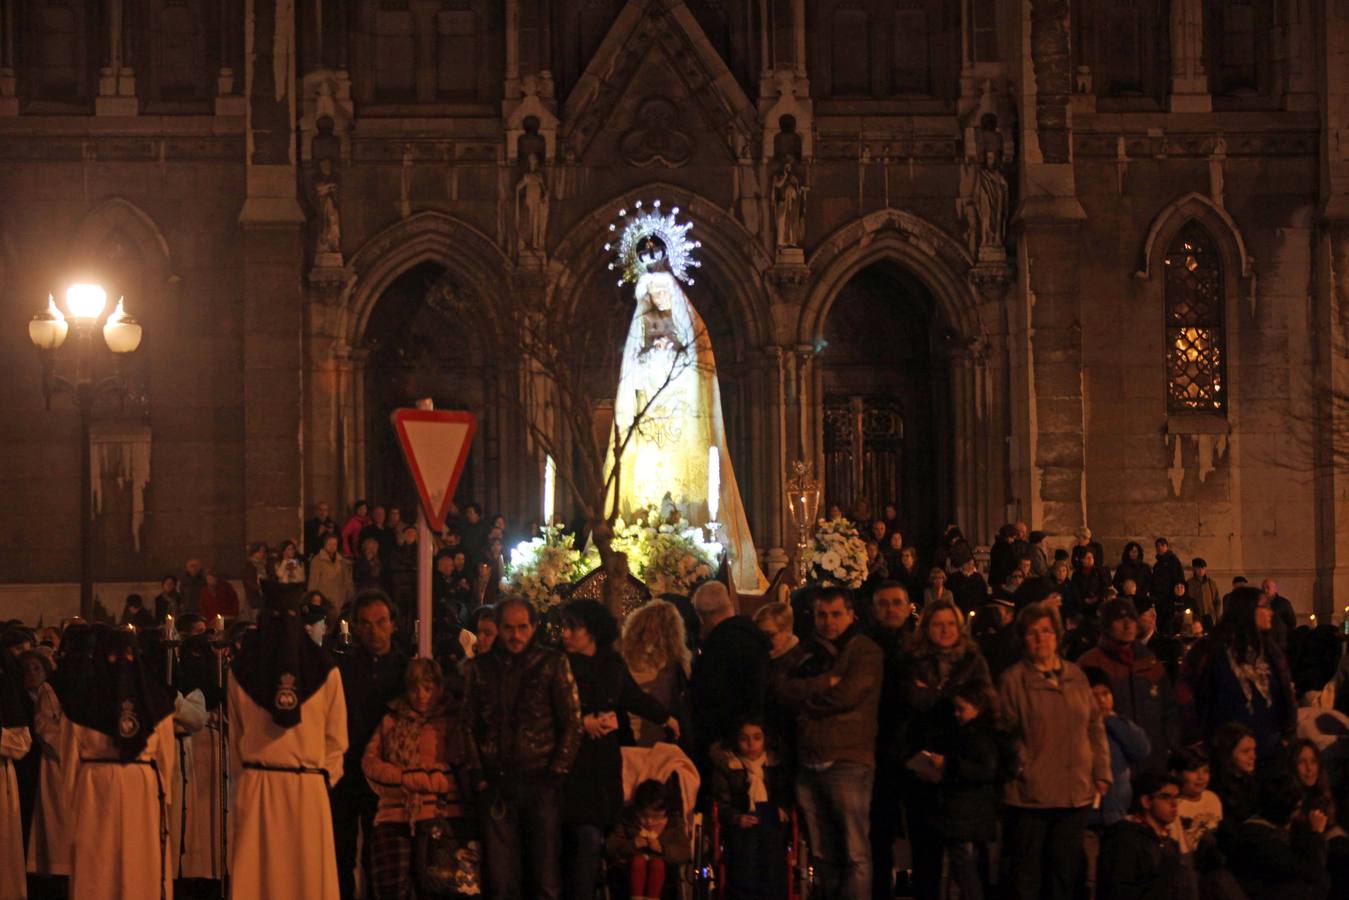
x,y
288,733
123,726
15,741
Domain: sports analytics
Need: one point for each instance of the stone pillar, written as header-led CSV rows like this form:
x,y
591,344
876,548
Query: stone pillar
x,y
512,26
1189,82
424,27
9,84
1047,217
272,259
799,27
1330,324
1299,63
117,80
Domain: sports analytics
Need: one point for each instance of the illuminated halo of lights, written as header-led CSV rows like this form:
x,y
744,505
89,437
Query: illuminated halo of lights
x,y
639,224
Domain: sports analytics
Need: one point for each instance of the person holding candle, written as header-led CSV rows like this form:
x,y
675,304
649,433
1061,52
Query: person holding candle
x,y
288,728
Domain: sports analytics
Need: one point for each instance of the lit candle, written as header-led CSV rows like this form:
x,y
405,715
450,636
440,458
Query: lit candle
x,y
1189,616
346,632
219,622
713,482
168,628
132,626
1313,620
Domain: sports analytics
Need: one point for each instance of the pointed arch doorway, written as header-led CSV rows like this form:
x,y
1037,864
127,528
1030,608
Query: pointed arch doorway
x,y
885,400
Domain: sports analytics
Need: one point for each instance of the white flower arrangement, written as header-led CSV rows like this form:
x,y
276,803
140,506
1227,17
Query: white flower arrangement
x,y
540,569
839,556
665,552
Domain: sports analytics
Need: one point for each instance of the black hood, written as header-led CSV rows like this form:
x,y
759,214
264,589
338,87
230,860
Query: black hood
x,y
103,684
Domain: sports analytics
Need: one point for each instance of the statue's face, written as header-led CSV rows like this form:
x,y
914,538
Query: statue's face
x,y
659,294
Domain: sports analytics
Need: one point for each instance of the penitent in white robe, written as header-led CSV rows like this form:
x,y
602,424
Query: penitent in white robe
x,y
118,844
14,744
203,848
282,825
49,839
189,719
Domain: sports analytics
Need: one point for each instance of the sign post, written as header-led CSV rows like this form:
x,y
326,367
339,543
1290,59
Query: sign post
x,y
435,445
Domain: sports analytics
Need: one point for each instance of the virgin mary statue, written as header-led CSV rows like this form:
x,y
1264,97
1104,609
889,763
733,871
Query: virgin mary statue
x,y
676,450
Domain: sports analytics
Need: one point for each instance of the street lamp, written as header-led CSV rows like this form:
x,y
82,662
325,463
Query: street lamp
x,y
122,334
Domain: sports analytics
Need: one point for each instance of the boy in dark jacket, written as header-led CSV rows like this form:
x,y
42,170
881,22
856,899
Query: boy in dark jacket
x,y
753,797
967,811
1139,861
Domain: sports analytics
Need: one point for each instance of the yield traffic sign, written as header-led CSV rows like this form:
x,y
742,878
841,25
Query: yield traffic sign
x,y
435,444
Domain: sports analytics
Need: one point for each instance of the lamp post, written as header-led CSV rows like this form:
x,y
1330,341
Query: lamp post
x,y
122,335
803,500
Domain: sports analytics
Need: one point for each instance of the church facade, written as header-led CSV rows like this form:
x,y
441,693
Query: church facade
x,y
1073,262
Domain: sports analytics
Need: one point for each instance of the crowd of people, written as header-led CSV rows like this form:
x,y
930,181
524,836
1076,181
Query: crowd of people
x,y
1033,725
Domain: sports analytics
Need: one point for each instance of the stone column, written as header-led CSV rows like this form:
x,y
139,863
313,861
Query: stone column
x,y
272,259
1330,321
424,26
1048,217
1189,82
512,26
117,80
799,27
9,100
1299,51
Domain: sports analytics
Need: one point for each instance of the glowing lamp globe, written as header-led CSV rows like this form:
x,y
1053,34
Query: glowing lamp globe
x,y
48,328
86,301
122,332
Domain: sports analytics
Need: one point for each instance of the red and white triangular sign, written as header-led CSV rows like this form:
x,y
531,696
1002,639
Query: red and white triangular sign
x,y
435,444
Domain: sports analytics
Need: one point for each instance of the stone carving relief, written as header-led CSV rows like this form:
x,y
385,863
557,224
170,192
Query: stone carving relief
x,y
984,186
655,136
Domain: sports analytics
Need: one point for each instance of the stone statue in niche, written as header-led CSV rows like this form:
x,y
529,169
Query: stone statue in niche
x,y
986,191
531,207
789,205
324,184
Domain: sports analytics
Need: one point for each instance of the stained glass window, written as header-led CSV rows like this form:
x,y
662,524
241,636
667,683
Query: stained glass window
x,y
1196,341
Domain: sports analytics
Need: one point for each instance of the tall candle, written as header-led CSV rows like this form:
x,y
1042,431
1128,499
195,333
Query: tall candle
x,y
1189,617
713,481
168,628
346,632
219,622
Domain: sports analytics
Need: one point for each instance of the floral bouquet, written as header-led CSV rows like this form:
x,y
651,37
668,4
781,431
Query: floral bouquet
x,y
839,556
665,552
541,569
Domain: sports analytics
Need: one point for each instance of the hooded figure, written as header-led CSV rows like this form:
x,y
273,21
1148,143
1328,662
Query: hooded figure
x,y
200,672
288,732
123,728
15,742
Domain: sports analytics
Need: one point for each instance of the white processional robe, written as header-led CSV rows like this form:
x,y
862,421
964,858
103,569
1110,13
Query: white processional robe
x,y
14,744
189,719
282,825
203,851
49,838
120,836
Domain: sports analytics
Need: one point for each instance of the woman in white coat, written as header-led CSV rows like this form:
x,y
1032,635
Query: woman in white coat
x,y
123,724
288,731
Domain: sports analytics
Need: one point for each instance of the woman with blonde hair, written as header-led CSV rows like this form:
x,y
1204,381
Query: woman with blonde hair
x,y
654,647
